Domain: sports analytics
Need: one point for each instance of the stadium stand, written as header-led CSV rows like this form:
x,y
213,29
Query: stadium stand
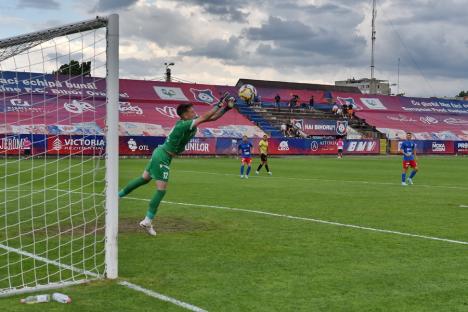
x,y
148,109
270,116
374,116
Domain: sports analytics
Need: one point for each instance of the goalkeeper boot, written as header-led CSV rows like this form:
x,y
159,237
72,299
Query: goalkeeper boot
x,y
148,227
270,173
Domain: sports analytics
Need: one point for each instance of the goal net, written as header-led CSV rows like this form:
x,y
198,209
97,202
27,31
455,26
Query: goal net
x,y
58,156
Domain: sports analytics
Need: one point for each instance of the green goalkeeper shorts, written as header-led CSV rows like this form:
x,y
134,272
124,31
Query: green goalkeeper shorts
x,y
158,166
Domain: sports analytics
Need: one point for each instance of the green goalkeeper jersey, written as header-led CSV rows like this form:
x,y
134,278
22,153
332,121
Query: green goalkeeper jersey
x,y
179,136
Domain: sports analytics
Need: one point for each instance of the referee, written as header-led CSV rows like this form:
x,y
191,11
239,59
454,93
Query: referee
x,y
263,147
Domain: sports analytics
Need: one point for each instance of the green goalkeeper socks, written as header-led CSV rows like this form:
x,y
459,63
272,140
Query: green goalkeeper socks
x,y
154,203
132,185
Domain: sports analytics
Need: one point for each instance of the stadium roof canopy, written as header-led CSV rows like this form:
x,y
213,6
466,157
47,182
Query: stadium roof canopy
x,y
295,85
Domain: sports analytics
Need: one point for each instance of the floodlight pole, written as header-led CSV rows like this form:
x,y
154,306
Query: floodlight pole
x,y
168,71
373,37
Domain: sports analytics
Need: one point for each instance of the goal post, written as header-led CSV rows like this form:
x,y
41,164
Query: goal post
x,y
59,117
112,147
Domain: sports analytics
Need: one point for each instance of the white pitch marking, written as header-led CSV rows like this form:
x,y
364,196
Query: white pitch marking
x,y
294,217
456,187
81,271
45,260
161,297
314,220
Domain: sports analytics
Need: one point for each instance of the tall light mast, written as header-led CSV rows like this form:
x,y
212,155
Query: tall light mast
x,y
373,82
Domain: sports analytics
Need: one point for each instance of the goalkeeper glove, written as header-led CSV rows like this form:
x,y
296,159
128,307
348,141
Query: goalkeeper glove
x,y
231,102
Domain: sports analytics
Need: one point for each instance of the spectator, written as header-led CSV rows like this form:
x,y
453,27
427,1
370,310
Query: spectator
x,y
257,101
339,146
293,102
283,129
350,111
335,109
277,101
311,102
289,129
344,110
26,147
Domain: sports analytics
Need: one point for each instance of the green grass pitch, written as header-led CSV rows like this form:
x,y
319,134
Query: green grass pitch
x,y
243,260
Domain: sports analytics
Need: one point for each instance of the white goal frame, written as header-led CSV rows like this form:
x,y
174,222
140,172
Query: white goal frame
x,y
24,42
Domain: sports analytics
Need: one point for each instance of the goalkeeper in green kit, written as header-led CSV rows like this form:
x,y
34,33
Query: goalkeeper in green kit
x,y
158,167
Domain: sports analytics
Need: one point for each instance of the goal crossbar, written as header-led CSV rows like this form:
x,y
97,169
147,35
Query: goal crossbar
x,y
30,40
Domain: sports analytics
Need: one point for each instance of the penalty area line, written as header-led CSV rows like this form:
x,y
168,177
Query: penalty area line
x,y
366,228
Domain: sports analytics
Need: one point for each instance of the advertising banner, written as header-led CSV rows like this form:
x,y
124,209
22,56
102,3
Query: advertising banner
x,y
286,146
138,145
45,115
426,147
439,147
146,119
95,87
428,118
320,147
321,126
401,104
57,116
15,144
75,145
423,126
292,146
354,147
57,85
462,147
201,146
12,144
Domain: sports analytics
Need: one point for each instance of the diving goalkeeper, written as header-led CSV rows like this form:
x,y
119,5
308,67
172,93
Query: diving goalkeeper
x,y
158,167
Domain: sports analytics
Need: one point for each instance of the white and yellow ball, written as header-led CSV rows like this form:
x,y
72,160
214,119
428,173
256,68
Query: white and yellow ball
x,y
247,92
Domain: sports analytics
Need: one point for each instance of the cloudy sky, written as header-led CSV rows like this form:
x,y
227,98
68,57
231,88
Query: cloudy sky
x,y
317,41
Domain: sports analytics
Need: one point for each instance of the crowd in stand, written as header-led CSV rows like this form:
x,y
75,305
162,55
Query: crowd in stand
x,y
293,103
291,130
288,129
345,111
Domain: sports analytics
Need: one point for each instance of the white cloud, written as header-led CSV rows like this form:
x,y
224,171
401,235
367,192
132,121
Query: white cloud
x,y
308,41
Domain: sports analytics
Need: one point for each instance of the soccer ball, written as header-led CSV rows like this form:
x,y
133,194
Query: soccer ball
x,y
247,92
